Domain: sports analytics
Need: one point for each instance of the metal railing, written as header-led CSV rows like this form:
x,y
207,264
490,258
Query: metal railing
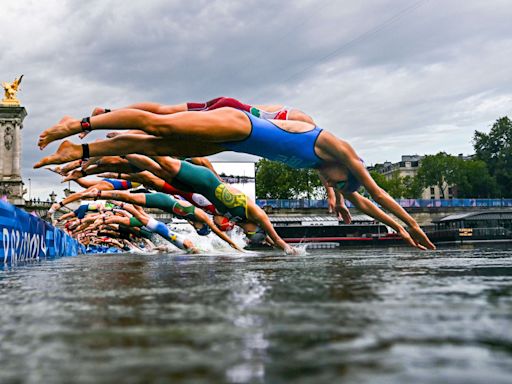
x,y
405,203
38,203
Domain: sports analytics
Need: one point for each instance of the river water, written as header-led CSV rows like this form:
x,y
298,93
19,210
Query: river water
x,y
386,315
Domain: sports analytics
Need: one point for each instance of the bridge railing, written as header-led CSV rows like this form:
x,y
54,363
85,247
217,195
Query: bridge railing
x,y
405,203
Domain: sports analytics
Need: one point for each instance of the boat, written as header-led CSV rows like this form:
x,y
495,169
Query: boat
x,y
330,232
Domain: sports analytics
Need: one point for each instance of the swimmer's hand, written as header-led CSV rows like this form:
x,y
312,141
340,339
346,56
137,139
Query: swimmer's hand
x,y
291,251
194,250
343,213
420,238
53,209
409,240
331,202
234,246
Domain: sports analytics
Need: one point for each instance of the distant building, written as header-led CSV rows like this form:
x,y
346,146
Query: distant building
x,y
409,166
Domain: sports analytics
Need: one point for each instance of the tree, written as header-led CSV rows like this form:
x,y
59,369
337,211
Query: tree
x,y
275,180
399,187
474,180
413,187
495,149
395,186
380,179
440,169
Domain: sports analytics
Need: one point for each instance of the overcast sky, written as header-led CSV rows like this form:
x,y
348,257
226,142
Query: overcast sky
x,y
392,77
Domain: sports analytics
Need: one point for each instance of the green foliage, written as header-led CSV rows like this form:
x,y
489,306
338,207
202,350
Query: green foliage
x,y
470,178
495,149
399,187
475,181
413,188
380,179
275,180
395,186
440,170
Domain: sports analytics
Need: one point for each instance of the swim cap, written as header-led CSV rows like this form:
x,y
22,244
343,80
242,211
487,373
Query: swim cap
x,y
225,224
257,236
351,184
204,230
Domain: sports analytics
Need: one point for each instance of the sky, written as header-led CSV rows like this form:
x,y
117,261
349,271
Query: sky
x,y
390,77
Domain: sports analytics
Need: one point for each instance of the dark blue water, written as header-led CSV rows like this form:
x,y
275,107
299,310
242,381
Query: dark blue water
x,y
355,316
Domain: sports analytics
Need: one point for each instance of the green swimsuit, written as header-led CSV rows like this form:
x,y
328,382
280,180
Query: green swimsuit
x,y
169,204
195,178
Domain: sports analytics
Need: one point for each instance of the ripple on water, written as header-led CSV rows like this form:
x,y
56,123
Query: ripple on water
x,y
389,315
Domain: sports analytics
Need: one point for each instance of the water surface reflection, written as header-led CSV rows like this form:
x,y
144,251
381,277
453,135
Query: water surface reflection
x,y
380,315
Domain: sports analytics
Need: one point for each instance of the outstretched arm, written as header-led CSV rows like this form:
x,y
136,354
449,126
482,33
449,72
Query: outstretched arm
x,y
345,154
257,214
66,216
133,198
118,220
366,206
336,201
83,182
200,214
101,185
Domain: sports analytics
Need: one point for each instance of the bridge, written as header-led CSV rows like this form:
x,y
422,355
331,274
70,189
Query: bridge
x,y
423,211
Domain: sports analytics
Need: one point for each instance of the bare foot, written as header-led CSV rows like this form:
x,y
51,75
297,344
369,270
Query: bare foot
x,y
58,131
93,192
105,161
72,165
75,175
67,151
91,161
57,170
97,111
110,135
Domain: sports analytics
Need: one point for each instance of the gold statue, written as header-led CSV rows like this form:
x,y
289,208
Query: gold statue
x,y
10,92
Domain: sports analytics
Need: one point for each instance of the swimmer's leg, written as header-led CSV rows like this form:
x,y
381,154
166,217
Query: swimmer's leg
x,y
229,102
174,238
128,144
192,106
224,124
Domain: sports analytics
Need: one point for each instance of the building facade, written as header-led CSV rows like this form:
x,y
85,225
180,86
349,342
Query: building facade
x,y
409,166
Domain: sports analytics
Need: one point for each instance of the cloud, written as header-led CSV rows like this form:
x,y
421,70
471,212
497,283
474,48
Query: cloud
x,y
418,83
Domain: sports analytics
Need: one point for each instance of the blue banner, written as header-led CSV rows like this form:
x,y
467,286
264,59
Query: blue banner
x,y
405,203
27,237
